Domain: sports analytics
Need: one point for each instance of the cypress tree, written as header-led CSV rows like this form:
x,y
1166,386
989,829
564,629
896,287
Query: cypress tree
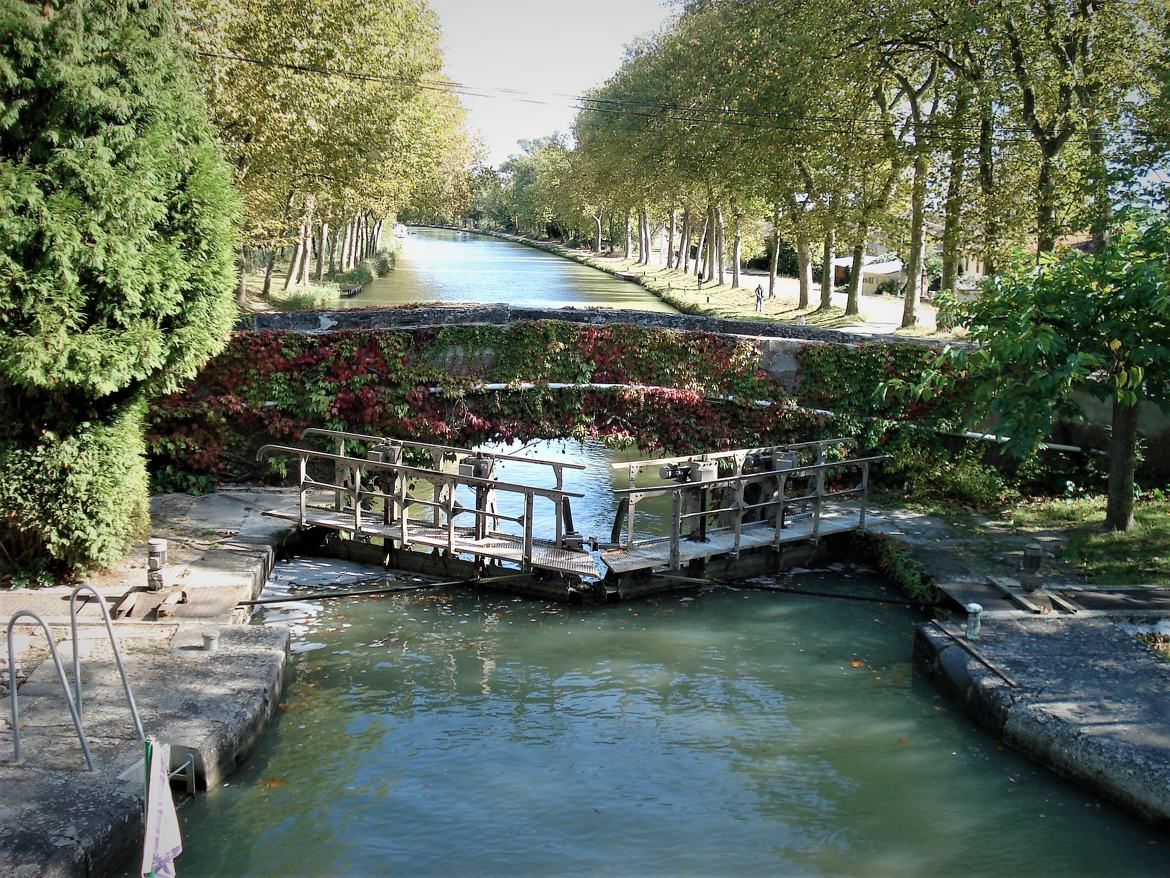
x,y
117,233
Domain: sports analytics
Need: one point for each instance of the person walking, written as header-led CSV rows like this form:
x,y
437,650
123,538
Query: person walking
x,y
759,298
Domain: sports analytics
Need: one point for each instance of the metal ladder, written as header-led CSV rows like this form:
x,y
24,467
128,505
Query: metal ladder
x,y
72,698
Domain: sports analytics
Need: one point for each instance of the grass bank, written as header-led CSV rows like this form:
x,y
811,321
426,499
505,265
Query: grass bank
x,y
322,294
681,291
1139,556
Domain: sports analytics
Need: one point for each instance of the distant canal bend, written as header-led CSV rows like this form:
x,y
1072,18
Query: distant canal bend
x,y
439,265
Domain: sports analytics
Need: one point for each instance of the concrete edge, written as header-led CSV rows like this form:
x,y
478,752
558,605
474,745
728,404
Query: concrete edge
x,y
1111,769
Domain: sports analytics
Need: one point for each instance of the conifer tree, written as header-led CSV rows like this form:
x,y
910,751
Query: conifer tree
x,y
117,231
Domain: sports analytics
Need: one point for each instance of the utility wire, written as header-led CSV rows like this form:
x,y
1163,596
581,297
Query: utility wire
x,y
678,113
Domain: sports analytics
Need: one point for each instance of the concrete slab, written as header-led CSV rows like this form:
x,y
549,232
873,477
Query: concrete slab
x,y
55,817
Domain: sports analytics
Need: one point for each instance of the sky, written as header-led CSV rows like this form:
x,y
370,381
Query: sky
x,y
540,47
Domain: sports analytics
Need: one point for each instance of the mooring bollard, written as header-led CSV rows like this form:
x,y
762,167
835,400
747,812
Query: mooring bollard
x,y
974,620
211,642
1030,564
156,560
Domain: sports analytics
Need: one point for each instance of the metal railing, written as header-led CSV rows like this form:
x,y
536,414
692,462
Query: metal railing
x,y
776,504
101,601
443,458
736,459
72,697
15,702
364,481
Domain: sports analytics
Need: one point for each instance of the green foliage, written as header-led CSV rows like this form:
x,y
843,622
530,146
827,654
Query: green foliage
x,y
73,499
1099,323
117,260
898,564
926,474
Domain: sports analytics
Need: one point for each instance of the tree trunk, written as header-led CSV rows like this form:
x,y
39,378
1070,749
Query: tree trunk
x,y
268,266
774,266
597,233
333,252
827,269
684,249
322,242
629,238
953,206
643,238
736,253
720,243
853,300
1102,205
1045,202
804,263
300,253
306,253
242,288
670,240
1122,462
917,240
700,254
987,187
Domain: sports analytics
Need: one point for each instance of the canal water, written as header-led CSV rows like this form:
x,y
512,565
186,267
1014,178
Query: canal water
x,y
727,731
437,265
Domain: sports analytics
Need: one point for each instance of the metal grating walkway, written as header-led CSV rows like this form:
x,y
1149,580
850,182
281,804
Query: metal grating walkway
x,y
649,555
497,546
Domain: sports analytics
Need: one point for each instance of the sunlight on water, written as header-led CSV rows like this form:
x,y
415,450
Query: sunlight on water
x,y
724,732
435,265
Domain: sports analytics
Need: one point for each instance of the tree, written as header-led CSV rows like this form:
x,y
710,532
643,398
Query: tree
x,y
116,258
1093,322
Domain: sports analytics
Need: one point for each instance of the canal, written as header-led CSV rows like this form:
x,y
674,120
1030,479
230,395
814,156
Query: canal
x,y
727,731
438,265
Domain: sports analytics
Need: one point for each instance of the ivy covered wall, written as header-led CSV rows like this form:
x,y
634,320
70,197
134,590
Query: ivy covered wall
x,y
685,392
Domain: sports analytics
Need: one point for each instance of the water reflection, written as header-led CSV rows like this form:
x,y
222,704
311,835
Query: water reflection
x,y
436,265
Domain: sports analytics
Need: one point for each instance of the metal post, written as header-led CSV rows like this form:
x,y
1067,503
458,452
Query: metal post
x,y
357,498
64,686
404,511
819,497
85,586
781,479
738,515
303,467
156,562
675,528
974,620
864,494
528,507
338,476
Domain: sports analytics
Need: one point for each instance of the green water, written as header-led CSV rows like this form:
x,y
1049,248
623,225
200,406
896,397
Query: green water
x,y
721,732
436,265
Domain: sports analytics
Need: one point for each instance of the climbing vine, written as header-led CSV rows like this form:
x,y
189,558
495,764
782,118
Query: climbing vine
x,y
680,392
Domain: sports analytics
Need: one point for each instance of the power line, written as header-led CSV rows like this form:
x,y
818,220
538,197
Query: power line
x,y
844,126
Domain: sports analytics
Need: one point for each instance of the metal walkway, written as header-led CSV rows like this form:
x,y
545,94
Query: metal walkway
x,y
722,503
378,495
766,498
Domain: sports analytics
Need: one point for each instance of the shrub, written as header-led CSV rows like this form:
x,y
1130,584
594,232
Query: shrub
x,y
117,259
79,498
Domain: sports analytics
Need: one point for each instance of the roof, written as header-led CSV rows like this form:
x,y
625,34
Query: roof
x,y
883,268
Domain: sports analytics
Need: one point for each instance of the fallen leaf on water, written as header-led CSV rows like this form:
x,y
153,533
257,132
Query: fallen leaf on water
x,y
903,740
857,663
271,782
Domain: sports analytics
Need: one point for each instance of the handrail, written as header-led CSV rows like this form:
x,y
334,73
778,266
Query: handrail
x,y
117,654
446,449
689,513
752,477
73,712
724,455
421,472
